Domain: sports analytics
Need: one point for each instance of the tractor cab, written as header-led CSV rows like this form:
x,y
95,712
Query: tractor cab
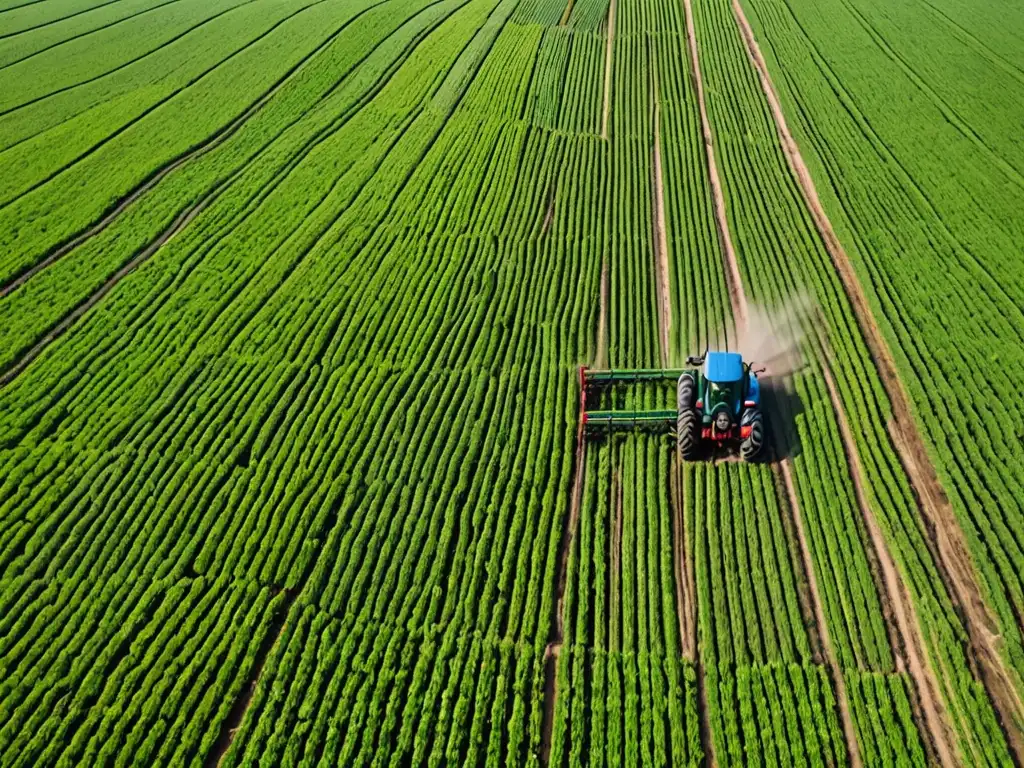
x,y
723,377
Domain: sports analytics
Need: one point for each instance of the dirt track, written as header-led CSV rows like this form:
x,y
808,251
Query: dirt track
x,y
608,69
661,242
569,533
566,14
842,700
895,593
954,555
547,726
686,609
234,718
554,646
732,274
550,214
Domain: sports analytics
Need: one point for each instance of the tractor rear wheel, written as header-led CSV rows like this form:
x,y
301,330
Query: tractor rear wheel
x,y
688,433
754,442
685,391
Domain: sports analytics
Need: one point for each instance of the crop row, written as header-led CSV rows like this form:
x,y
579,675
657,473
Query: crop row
x,y
357,386
132,669
931,247
351,694
785,265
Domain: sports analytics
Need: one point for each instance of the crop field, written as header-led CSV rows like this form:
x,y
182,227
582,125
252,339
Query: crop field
x,y
294,296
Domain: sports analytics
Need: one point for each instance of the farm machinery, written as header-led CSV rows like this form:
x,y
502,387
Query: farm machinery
x,y
718,403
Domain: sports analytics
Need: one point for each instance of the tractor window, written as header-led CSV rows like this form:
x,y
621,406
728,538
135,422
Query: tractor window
x,y
722,390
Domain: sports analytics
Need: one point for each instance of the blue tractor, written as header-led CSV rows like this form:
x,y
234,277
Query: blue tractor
x,y
718,403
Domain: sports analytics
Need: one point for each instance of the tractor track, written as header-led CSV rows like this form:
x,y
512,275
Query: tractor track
x,y
547,726
894,591
236,714
784,469
733,280
783,475
554,645
954,557
566,14
549,215
661,269
608,69
686,607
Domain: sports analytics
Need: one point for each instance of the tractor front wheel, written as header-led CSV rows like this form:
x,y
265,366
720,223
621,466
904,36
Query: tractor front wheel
x,y
688,433
754,442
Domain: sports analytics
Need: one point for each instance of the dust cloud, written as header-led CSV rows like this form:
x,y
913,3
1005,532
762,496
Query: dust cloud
x,y
772,336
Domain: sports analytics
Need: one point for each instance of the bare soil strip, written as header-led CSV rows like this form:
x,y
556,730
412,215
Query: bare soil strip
x,y
554,646
684,577
842,700
568,533
954,555
550,699
601,357
566,14
740,313
661,240
608,69
233,721
550,212
732,273
895,594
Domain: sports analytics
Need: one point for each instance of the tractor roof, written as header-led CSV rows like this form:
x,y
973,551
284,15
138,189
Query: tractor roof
x,y
723,367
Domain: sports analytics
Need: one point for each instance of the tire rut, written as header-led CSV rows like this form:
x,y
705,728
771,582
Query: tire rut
x,y
661,242
895,594
557,637
608,69
784,469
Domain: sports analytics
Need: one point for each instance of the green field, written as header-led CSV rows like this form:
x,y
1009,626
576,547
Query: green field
x,y
293,299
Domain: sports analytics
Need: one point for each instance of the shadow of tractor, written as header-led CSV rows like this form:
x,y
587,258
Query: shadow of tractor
x,y
781,405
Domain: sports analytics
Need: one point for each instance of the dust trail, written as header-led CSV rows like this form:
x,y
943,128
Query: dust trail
x,y
772,337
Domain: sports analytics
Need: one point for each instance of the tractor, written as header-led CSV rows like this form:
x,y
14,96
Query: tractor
x,y
718,402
